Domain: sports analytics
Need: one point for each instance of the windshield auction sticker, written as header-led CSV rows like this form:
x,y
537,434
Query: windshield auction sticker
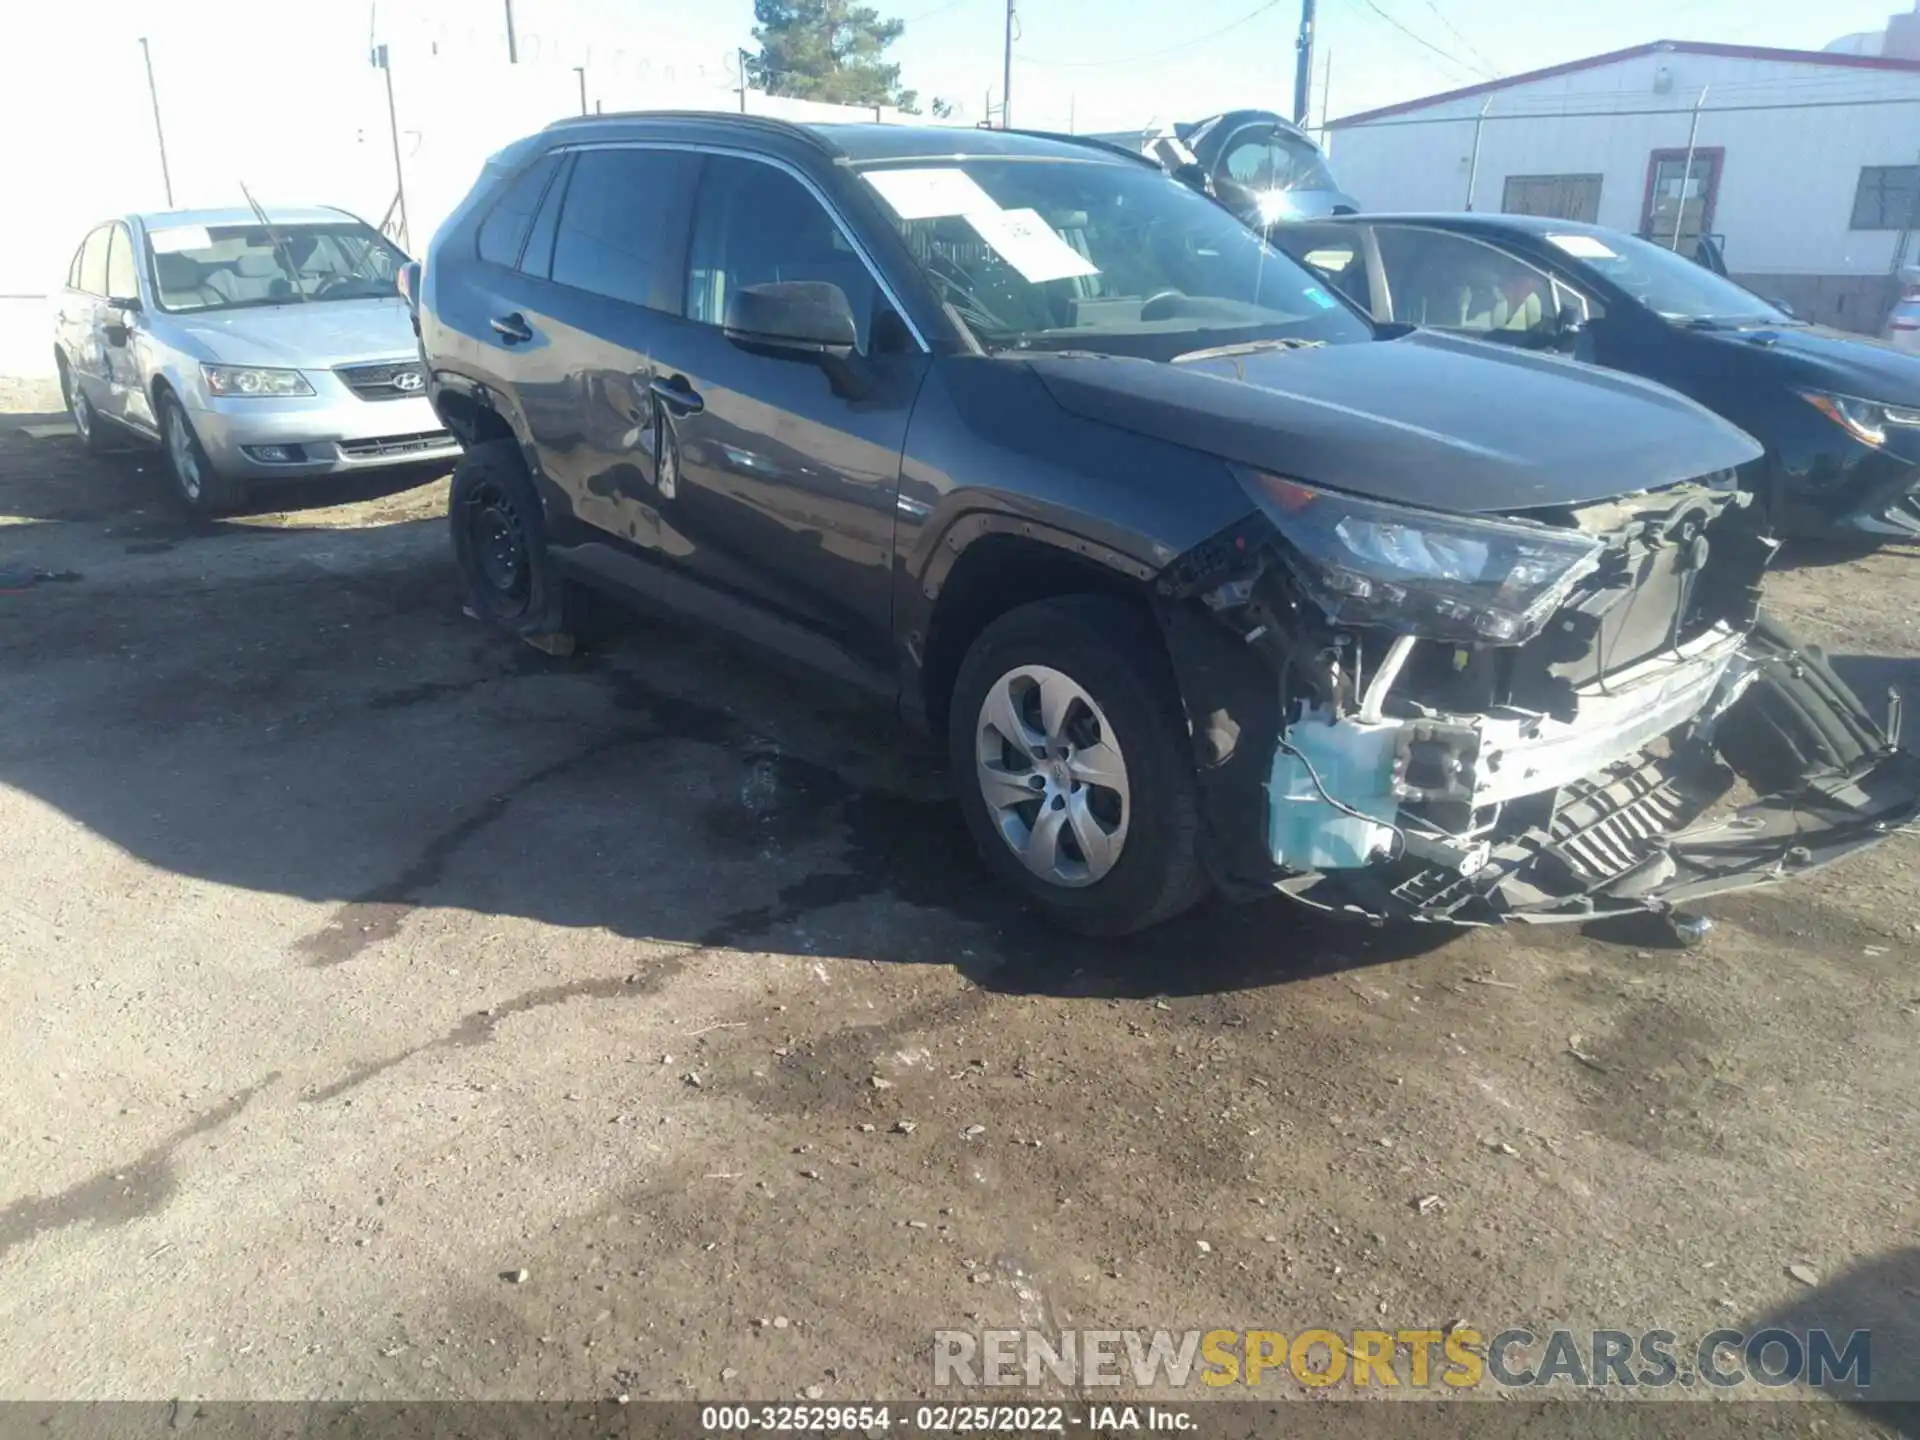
x,y
1583,247
930,194
179,238
1030,245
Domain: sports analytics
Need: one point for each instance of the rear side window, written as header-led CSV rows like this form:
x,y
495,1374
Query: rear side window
x,y
122,282
613,236
537,257
504,231
1452,282
1334,253
93,262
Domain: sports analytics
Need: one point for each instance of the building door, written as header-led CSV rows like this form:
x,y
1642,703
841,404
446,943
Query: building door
x,y
1563,197
1681,197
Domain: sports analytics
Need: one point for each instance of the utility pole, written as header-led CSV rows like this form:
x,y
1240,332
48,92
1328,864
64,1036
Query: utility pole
x,y
166,175
743,79
581,71
1686,175
1303,65
379,58
1006,77
1473,165
513,42
1326,92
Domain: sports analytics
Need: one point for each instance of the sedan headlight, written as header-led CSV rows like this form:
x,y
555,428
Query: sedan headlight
x,y
1445,577
1866,420
246,380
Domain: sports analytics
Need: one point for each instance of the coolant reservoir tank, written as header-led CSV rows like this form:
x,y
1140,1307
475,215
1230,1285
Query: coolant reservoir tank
x,y
1355,765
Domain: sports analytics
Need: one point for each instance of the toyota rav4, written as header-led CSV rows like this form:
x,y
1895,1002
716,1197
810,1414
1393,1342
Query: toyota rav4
x,y
1208,580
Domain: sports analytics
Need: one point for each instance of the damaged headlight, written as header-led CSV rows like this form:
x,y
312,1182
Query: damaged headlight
x,y
1865,420
1445,577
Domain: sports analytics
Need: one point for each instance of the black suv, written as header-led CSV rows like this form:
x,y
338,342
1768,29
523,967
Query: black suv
x,y
1208,579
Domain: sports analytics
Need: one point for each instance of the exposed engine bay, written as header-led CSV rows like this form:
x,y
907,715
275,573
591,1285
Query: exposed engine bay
x,y
1559,714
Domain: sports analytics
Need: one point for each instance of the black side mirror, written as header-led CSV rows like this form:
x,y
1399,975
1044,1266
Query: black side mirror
x,y
119,309
804,319
1568,326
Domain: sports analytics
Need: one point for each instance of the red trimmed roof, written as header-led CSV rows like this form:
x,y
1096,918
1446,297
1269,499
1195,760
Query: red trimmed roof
x,y
1634,52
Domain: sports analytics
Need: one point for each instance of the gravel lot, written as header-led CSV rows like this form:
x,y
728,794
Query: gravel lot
x,y
352,957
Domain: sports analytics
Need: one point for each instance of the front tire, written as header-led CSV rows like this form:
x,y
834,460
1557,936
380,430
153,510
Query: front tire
x,y
203,487
499,535
1072,765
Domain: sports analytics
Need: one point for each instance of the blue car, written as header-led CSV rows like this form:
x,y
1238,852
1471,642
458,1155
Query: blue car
x,y
1838,413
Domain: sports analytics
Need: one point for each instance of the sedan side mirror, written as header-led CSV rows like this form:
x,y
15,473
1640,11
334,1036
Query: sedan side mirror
x,y
1782,306
1568,326
116,329
803,319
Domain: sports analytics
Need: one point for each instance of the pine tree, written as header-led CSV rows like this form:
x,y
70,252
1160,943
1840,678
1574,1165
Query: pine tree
x,y
828,50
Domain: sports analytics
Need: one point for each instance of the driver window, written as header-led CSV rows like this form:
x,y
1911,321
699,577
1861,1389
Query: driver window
x,y
1450,282
756,225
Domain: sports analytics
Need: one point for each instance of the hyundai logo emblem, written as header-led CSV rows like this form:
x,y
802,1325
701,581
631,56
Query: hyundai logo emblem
x,y
408,380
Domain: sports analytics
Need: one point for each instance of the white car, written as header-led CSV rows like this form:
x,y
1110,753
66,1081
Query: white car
x,y
1902,329
251,348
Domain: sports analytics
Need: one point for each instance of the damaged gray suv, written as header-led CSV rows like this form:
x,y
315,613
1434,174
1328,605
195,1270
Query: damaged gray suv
x,y
1209,581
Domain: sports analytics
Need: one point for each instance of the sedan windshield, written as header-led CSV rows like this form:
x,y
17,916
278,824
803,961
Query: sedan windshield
x,y
1071,254
224,267
1672,286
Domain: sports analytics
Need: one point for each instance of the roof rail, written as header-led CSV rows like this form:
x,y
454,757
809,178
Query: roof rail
x,y
791,129
1091,142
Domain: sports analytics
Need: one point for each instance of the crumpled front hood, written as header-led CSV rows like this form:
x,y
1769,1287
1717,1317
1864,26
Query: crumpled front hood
x,y
313,336
1428,420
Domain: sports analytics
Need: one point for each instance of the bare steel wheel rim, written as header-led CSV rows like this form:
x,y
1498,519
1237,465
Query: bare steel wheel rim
x,y
186,464
1053,776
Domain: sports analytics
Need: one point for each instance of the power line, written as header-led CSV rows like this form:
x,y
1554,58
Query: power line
x,y
937,10
1157,54
1454,31
1421,40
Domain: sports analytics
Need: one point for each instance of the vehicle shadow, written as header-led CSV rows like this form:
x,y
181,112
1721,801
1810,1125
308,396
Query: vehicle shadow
x,y
1873,677
341,733
52,477
1824,554
1880,1296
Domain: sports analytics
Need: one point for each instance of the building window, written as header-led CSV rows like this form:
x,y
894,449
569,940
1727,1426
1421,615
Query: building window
x,y
1562,197
1885,198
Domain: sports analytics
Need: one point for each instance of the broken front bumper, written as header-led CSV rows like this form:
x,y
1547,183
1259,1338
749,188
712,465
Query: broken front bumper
x,y
1729,763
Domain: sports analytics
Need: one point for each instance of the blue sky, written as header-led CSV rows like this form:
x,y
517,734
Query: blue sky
x,y
1111,63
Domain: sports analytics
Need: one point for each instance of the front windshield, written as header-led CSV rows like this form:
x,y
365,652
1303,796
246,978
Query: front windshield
x,y
1669,284
225,267
1071,254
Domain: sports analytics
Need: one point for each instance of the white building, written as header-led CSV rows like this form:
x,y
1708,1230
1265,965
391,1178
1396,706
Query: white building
x,y
1803,165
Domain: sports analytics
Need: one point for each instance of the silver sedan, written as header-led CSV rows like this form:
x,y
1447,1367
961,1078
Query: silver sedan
x,y
253,346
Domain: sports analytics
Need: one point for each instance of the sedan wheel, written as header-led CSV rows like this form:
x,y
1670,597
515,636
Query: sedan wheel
x,y
80,409
186,464
1053,776
201,486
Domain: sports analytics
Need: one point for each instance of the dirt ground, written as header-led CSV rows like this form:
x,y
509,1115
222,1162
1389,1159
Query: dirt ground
x,y
354,959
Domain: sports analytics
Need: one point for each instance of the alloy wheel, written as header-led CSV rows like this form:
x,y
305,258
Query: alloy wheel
x,y
78,406
1053,776
181,451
